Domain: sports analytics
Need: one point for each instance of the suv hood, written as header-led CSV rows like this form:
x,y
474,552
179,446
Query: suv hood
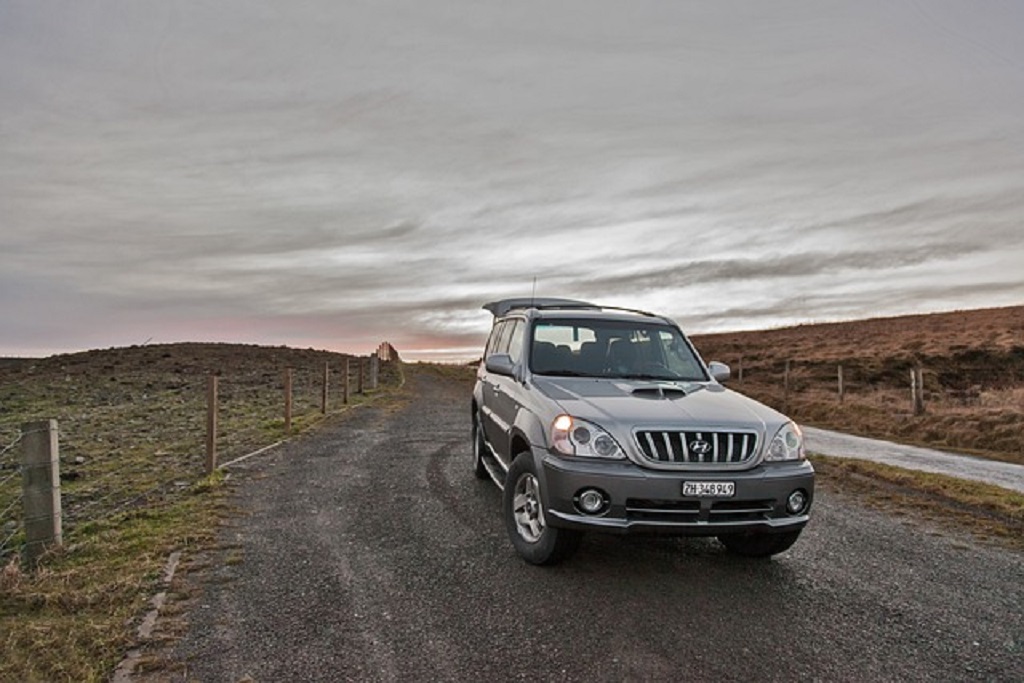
x,y
626,404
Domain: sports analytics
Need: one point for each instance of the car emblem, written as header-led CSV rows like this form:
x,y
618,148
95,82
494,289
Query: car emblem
x,y
700,446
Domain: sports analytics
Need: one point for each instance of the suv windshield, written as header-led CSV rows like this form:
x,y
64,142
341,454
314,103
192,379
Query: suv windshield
x,y
616,349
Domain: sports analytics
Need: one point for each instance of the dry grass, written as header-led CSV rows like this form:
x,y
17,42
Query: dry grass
x,y
986,512
71,618
973,365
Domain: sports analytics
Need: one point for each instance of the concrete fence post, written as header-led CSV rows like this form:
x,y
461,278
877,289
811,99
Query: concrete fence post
x,y
211,424
40,472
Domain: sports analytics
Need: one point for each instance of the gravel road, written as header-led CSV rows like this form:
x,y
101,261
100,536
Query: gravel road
x,y
369,552
1005,474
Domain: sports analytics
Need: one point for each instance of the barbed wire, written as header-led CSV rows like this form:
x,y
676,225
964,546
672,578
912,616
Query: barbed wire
x,y
14,503
74,513
3,544
21,436
127,492
9,447
135,498
12,475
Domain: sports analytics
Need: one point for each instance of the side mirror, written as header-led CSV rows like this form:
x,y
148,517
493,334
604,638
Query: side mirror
x,y
500,364
719,371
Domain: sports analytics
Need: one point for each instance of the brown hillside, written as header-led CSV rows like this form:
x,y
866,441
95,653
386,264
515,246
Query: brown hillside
x,y
973,363
936,334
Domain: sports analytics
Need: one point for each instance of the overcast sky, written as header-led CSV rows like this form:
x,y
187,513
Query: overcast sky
x,y
334,173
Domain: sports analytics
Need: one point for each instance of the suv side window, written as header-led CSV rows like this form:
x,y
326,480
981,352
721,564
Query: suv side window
x,y
493,341
515,343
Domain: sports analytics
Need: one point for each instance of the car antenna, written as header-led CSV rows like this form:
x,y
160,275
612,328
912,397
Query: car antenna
x,y
533,293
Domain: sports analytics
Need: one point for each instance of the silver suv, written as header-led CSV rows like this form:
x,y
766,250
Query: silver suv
x,y
593,418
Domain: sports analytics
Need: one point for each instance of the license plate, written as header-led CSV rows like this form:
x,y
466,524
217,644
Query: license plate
x,y
709,489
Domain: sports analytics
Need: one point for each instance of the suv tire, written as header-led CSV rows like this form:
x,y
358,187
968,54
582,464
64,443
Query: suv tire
x,y
758,544
479,447
533,539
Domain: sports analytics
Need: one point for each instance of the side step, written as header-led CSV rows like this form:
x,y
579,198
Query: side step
x,y
495,466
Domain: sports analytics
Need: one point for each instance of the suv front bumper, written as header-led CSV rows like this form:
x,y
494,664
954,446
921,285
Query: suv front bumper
x,y
641,500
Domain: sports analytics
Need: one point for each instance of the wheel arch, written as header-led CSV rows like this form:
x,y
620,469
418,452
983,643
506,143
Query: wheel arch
x,y
518,444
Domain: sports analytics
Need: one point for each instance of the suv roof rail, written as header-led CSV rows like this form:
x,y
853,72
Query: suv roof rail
x,y
500,308
503,307
630,310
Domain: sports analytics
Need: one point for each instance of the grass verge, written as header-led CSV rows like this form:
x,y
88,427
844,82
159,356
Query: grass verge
x,y
131,451
71,618
989,513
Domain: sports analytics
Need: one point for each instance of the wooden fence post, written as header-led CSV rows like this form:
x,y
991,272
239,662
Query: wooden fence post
x,y
359,389
839,378
323,394
40,474
288,400
739,373
346,371
785,389
211,424
917,390
374,370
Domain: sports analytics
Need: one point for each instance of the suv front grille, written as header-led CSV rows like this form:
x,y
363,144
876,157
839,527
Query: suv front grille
x,y
692,447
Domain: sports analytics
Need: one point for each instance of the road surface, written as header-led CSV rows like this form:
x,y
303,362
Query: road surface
x,y
1005,474
369,552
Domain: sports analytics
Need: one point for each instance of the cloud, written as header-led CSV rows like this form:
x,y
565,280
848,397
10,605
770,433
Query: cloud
x,y
347,171
774,267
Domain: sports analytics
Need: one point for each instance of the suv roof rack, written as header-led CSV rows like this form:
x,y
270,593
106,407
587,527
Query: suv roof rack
x,y
503,307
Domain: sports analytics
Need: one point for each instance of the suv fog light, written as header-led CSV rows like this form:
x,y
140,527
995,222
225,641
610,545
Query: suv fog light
x,y
797,502
591,501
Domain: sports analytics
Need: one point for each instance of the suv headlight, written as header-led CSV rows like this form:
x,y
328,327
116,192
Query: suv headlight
x,y
788,444
573,436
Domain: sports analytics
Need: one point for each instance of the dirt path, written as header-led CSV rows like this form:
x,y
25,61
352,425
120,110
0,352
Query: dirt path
x,y
837,444
369,552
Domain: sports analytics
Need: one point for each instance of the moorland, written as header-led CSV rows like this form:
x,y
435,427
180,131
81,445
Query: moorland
x,y
972,365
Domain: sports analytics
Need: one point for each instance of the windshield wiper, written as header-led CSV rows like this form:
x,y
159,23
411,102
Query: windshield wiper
x,y
563,373
641,375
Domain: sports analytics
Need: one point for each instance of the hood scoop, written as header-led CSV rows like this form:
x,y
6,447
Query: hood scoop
x,y
659,391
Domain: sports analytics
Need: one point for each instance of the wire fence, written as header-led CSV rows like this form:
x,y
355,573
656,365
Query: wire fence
x,y
942,384
7,452
959,404
10,495
132,427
